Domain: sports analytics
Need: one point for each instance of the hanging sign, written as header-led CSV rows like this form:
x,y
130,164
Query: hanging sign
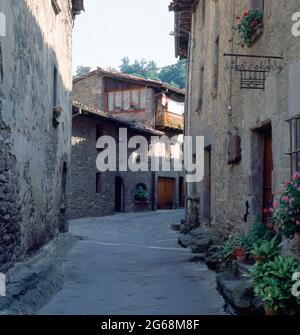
x,y
253,74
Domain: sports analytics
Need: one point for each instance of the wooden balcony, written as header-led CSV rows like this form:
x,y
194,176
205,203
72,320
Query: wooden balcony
x,y
166,119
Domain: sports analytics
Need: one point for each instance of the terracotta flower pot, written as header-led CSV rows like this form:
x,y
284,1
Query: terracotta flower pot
x,y
270,311
240,254
260,258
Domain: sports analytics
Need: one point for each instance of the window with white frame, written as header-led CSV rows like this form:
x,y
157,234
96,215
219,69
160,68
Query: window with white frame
x,y
126,101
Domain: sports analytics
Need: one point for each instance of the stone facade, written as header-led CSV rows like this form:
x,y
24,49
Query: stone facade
x,y
86,199
92,90
217,106
35,60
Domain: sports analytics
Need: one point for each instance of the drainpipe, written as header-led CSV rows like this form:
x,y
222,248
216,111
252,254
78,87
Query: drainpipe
x,y
187,114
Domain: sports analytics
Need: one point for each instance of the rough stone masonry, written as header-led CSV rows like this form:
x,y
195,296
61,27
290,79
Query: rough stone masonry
x,y
35,80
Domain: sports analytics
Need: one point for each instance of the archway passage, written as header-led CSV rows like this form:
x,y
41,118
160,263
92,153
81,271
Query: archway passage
x,y
119,192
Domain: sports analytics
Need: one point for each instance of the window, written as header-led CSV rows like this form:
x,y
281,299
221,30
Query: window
x,y
258,4
55,86
203,10
126,101
98,183
135,101
201,88
118,100
294,152
216,67
267,9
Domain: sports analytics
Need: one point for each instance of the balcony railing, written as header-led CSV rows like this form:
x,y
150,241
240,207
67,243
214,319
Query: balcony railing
x,y
166,119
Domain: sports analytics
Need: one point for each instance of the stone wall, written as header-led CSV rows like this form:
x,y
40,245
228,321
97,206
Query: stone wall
x,y
32,151
233,185
84,200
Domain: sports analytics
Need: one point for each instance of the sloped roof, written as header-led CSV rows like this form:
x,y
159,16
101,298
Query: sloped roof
x,y
111,118
78,5
183,21
142,81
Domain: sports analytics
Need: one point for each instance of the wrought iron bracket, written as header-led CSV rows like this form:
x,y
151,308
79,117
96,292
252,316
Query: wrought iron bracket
x,y
253,77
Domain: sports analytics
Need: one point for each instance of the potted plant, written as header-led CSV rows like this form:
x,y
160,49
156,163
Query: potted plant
x,y
286,215
266,250
249,27
228,252
273,284
141,195
240,249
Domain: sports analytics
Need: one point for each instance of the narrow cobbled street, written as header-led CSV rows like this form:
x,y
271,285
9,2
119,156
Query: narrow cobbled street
x,y
132,264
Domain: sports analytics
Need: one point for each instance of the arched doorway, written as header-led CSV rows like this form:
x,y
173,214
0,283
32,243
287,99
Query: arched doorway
x,y
119,195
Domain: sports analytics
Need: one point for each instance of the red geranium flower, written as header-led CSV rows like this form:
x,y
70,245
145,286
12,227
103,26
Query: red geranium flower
x,y
246,13
238,17
253,23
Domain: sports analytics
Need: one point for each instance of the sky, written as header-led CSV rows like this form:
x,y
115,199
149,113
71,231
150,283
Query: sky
x,y
109,30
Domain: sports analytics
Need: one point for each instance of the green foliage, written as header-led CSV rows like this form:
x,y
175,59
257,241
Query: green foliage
x,y
273,283
226,253
286,216
82,70
140,68
247,26
266,250
173,75
258,234
141,194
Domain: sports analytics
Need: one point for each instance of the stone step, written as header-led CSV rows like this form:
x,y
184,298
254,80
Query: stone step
x,y
237,292
240,269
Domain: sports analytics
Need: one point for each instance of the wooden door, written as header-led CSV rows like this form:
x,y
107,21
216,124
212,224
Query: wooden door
x,y
165,193
207,185
181,192
267,169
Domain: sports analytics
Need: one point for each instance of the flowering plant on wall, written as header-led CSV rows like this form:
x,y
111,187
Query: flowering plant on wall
x,y
141,194
248,25
286,206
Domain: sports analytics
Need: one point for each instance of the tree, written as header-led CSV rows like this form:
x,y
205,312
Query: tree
x,y
82,70
174,75
140,68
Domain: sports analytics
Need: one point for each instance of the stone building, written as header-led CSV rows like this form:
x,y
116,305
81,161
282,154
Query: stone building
x,y
95,193
35,122
142,105
241,105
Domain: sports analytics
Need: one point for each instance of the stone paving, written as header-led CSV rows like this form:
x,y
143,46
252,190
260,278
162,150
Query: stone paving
x,y
131,264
